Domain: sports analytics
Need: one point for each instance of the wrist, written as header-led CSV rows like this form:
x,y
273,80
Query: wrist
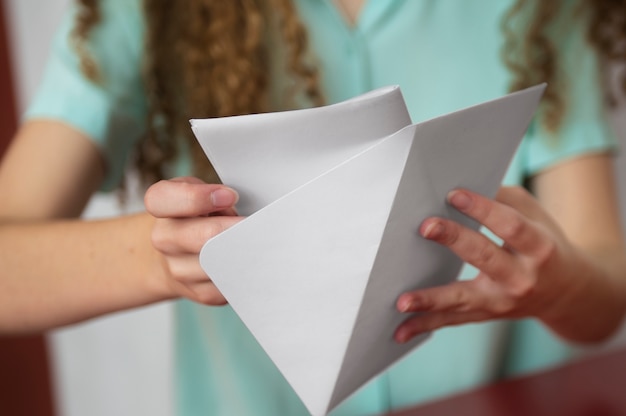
x,y
156,274
592,302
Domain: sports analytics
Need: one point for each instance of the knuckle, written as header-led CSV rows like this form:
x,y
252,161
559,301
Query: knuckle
x,y
176,273
483,255
424,301
522,289
546,252
214,226
198,234
461,302
481,209
514,228
160,238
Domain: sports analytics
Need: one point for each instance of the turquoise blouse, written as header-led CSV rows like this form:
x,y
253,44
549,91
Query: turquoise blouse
x,y
445,55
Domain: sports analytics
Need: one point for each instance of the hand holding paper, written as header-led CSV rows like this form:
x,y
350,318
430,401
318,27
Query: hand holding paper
x,y
185,212
335,196
524,277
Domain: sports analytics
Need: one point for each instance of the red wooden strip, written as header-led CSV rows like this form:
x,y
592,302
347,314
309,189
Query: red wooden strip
x,y
24,371
592,386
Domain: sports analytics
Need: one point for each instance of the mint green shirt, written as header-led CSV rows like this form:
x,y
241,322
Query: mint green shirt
x,y
445,55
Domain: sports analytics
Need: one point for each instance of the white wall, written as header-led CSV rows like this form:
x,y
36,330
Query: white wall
x,y
119,365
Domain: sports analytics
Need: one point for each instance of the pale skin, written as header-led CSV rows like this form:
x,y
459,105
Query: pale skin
x,y
562,262
57,270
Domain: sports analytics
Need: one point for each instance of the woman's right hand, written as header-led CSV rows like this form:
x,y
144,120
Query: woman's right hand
x,y
187,213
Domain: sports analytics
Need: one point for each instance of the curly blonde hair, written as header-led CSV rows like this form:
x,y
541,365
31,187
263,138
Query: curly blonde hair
x,y
207,58
533,57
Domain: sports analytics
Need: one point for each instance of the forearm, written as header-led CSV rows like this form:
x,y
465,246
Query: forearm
x,y
61,272
581,197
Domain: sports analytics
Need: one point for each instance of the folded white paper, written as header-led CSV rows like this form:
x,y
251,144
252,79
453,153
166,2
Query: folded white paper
x,y
334,197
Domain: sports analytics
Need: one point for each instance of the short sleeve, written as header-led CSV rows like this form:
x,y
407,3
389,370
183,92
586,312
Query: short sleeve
x,y
584,128
111,112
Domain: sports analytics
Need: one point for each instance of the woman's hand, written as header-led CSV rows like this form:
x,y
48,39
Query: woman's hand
x,y
535,273
189,212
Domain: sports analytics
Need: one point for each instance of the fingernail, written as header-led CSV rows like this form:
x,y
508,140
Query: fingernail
x,y
433,230
402,336
404,304
460,200
224,198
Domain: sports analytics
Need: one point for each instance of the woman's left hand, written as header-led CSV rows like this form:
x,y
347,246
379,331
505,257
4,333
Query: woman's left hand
x,y
536,272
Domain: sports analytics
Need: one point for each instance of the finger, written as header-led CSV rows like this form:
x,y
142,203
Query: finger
x,y
471,246
228,212
208,294
186,269
203,292
179,198
454,297
181,236
518,232
422,323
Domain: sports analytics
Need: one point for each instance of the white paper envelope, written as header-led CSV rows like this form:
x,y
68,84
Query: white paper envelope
x,y
335,196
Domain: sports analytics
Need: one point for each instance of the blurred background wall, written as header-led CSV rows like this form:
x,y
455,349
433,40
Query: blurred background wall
x,y
119,365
